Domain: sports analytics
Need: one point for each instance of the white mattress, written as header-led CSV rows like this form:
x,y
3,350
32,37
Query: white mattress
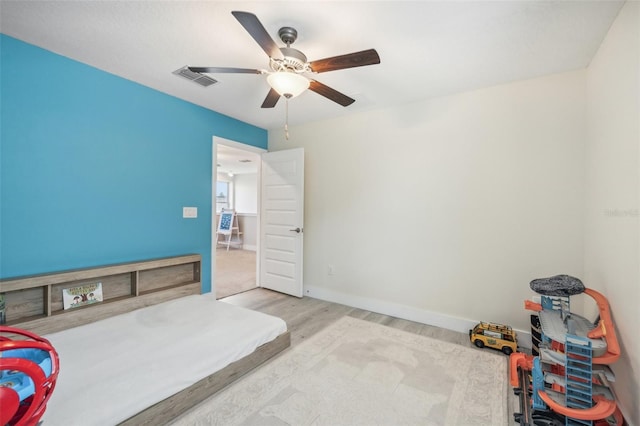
x,y
115,368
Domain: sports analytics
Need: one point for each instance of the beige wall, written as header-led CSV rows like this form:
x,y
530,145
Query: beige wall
x,y
442,211
246,193
612,234
248,224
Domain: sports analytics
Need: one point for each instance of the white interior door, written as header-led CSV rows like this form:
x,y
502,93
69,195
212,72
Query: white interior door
x,y
281,213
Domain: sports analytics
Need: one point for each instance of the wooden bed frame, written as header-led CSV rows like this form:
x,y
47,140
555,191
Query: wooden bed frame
x,y
34,303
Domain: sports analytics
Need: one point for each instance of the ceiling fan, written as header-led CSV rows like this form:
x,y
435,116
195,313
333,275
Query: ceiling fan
x,y
288,64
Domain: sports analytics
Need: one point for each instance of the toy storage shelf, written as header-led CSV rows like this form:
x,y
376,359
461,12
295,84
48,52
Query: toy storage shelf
x,y
33,301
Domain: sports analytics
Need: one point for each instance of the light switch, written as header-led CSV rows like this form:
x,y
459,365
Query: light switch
x,y
190,212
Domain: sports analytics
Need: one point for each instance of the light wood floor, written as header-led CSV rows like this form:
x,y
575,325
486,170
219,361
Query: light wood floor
x,y
235,271
307,316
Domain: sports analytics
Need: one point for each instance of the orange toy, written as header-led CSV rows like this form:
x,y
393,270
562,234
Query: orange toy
x,y
541,399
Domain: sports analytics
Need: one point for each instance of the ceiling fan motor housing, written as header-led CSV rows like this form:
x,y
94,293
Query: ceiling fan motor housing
x,y
294,60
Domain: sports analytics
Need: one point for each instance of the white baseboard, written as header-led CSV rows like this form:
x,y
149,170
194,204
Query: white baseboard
x,y
250,248
409,313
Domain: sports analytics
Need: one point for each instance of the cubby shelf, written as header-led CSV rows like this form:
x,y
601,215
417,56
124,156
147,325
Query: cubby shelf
x,y
32,302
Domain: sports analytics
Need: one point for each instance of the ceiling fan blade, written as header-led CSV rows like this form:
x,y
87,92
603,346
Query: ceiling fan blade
x,y
350,60
253,26
329,93
220,70
271,100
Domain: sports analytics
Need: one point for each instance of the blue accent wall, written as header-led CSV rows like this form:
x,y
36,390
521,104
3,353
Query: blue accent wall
x,y
95,169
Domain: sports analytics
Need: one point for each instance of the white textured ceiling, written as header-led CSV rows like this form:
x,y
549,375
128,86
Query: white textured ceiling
x,y
236,161
427,48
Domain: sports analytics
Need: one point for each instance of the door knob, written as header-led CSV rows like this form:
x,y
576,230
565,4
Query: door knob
x,y
297,230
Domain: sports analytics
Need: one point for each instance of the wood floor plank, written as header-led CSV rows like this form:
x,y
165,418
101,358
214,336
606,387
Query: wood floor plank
x,y
307,316
358,313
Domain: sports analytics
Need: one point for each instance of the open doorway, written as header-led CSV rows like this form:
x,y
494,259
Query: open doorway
x,y
236,182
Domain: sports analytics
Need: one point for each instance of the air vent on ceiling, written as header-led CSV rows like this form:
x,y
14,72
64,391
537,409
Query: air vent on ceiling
x,y
196,77
246,160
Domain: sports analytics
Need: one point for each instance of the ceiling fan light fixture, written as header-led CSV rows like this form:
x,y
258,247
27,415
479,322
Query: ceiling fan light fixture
x,y
288,84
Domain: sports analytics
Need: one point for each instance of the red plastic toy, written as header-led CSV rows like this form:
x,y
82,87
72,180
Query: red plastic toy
x,y
28,373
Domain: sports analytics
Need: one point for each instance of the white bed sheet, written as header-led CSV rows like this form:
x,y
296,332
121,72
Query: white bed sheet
x,y
117,367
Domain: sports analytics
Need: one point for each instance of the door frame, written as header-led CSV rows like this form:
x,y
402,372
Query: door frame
x,y
217,140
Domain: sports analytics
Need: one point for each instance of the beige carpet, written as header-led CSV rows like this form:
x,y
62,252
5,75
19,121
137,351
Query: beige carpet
x,y
360,373
235,271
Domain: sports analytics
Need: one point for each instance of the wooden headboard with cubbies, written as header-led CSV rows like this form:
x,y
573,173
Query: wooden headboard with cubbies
x,y
35,303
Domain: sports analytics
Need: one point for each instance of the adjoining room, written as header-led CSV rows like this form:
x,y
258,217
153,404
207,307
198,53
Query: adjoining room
x,y
237,192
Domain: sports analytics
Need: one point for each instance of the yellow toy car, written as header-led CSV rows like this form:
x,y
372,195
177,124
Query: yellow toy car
x,y
497,336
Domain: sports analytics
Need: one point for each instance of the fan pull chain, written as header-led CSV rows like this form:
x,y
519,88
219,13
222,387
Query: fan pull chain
x,y
286,119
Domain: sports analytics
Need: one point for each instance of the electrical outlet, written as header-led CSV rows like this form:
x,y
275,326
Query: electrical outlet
x,y
331,270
